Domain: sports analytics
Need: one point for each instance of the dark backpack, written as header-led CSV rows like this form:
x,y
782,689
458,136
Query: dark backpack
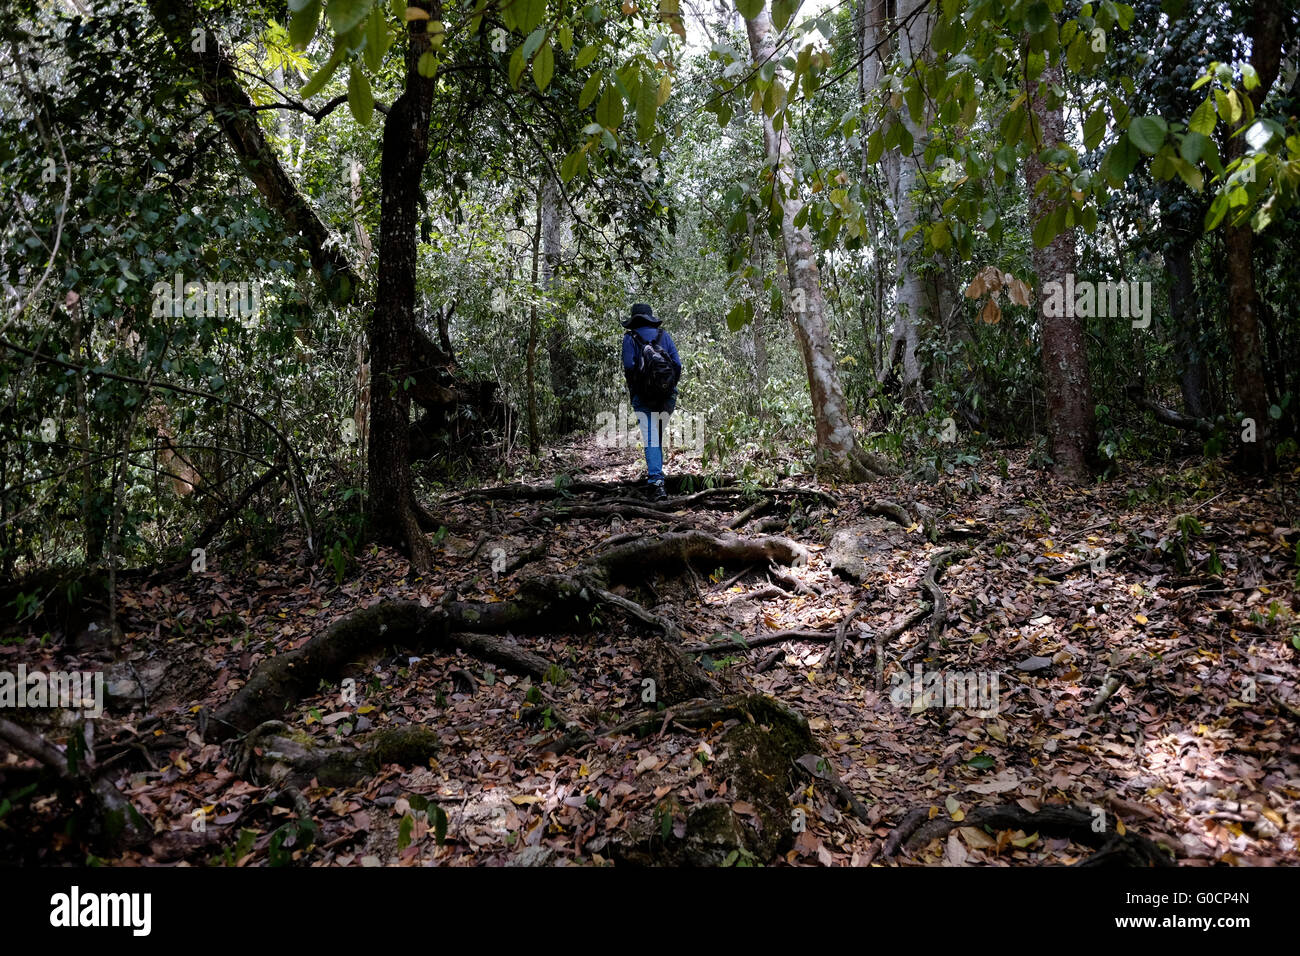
x,y
654,374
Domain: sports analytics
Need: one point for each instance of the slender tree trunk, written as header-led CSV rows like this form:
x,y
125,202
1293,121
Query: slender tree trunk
x,y
92,517
364,249
758,333
392,330
566,382
874,50
1071,422
534,442
232,109
911,300
1185,313
837,450
428,370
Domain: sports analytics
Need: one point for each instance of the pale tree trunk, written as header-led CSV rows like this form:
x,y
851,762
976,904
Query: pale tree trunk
x,y
837,449
530,365
552,234
364,248
912,306
872,17
566,383
922,301
1071,423
757,331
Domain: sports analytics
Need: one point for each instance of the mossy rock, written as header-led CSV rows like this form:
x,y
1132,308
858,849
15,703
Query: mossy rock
x,y
759,758
713,833
852,551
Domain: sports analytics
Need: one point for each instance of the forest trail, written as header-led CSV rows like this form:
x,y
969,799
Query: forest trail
x,y
1148,692
320,544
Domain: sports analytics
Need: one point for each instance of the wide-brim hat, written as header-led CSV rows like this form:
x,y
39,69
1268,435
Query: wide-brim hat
x,y
642,312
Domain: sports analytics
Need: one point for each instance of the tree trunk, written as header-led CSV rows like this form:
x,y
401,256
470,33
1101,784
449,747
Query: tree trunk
x,y
758,334
1071,422
232,108
534,442
566,383
358,222
1185,312
392,330
926,289
874,48
92,511
911,306
837,450
429,375
1254,456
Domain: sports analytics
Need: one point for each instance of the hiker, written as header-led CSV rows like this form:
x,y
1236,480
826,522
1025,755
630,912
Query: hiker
x,y
652,367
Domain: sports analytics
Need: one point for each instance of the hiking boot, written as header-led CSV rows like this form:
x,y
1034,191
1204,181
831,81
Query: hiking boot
x,y
656,491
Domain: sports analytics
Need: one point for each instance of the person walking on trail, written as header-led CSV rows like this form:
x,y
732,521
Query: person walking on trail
x,y
652,368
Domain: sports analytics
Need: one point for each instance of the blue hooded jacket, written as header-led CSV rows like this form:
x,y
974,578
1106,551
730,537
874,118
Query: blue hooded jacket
x,y
645,327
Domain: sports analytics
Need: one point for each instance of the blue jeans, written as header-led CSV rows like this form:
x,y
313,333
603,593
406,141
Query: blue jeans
x,y
651,421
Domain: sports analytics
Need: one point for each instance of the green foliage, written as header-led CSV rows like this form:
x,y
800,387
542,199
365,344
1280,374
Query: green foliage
x,y
667,198
337,558
9,800
297,834
230,856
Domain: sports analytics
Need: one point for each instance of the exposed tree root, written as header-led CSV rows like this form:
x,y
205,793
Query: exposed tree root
x,y
737,491
1128,849
751,512
1108,687
527,556
678,548
287,677
906,827
860,465
889,635
938,600
668,628
761,640
792,583
889,509
116,822
565,512
523,492
756,708
819,768
1115,555
496,651
762,594
273,754
841,631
